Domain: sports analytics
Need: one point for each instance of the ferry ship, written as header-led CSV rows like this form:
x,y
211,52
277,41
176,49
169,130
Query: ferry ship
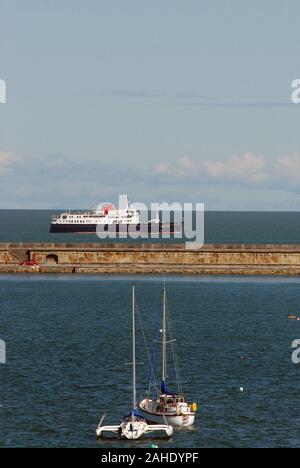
x,y
108,218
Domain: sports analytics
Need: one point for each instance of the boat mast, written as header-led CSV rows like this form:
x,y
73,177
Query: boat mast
x,y
133,351
164,338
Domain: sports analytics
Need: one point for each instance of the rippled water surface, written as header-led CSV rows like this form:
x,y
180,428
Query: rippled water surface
x,y
68,341
220,227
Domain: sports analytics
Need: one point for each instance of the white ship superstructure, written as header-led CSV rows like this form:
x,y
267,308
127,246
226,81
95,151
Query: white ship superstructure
x,y
107,215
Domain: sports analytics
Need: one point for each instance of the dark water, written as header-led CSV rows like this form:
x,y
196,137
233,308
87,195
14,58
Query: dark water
x,y
68,340
220,227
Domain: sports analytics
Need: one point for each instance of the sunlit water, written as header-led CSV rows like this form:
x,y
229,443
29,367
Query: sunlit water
x,y
69,339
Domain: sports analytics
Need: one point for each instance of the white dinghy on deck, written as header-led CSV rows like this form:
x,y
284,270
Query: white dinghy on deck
x,y
134,426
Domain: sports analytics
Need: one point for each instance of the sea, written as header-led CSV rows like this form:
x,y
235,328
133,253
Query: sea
x,y
68,346
219,227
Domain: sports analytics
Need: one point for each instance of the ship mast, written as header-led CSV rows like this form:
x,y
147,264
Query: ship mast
x,y
133,351
164,338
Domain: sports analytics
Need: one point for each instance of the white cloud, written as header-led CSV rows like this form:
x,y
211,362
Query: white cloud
x,y
247,167
183,167
6,160
288,167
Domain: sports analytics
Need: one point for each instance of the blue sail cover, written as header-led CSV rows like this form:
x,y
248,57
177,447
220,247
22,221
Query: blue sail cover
x,y
164,388
134,412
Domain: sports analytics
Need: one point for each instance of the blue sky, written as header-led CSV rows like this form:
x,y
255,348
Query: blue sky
x,y
166,100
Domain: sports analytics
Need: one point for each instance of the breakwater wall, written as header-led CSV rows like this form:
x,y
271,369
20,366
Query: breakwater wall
x,y
104,258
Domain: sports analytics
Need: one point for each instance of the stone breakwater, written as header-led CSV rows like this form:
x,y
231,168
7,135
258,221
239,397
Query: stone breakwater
x,y
104,258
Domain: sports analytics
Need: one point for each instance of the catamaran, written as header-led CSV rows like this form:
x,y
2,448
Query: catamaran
x,y
134,426
170,407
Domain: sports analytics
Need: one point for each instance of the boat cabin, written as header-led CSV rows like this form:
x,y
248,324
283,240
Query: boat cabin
x,y
166,401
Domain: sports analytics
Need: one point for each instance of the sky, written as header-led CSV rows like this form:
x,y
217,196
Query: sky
x,y
166,100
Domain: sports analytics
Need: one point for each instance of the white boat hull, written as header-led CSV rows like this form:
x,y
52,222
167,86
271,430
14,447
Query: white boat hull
x,y
182,420
134,430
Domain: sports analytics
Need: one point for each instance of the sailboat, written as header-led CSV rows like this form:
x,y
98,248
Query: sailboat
x,y
133,426
170,407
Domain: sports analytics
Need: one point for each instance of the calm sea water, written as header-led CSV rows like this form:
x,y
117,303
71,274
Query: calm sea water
x,y
68,341
220,227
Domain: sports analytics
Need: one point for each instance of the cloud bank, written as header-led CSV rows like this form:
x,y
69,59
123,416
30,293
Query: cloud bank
x,y
6,161
247,168
245,181
184,166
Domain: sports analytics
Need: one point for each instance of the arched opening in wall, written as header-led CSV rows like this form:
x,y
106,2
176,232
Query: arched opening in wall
x,y
52,258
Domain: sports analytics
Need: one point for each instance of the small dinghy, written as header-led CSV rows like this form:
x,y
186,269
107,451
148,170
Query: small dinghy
x,y
134,426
